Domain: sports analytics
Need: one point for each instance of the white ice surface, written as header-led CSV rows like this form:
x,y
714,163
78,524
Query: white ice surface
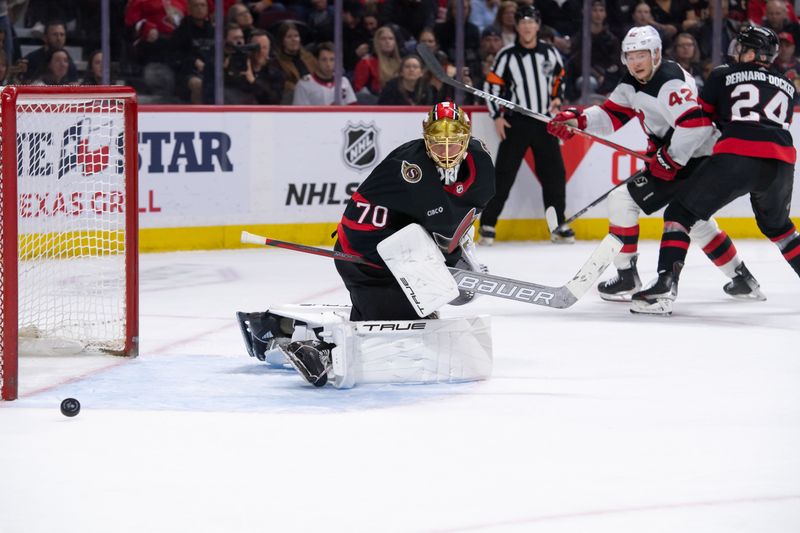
x,y
594,420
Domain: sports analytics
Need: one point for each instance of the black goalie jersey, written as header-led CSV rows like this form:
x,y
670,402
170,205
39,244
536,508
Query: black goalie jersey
x,y
753,108
405,188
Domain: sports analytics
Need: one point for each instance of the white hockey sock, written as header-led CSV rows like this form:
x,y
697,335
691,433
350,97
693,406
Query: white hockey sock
x,y
623,222
717,246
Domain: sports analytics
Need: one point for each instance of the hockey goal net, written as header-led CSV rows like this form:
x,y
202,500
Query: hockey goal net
x,y
68,224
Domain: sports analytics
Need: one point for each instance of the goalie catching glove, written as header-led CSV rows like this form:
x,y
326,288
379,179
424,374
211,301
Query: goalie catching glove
x,y
563,123
662,166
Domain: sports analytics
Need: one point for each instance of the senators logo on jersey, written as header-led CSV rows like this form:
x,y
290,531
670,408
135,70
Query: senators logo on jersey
x,y
410,172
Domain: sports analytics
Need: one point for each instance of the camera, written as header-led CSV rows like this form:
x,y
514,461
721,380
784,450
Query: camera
x,y
239,55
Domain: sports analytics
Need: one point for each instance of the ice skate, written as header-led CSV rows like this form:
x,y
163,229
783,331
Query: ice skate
x,y
563,236
623,285
658,298
312,359
744,286
486,235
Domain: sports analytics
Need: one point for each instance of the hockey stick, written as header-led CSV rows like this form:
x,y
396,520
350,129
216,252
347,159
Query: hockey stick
x,y
480,283
436,68
552,218
251,238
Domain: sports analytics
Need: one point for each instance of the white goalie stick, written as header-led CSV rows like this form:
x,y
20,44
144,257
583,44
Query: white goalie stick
x,y
436,69
552,218
480,283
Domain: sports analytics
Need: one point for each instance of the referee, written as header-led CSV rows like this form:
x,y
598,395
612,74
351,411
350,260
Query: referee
x,y
528,73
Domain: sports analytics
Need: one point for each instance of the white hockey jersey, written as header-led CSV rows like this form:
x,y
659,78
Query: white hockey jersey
x,y
667,109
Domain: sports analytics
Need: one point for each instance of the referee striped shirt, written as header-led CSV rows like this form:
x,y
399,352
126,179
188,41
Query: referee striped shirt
x,y
529,77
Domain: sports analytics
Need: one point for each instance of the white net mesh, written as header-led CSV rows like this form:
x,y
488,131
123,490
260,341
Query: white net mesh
x,y
71,223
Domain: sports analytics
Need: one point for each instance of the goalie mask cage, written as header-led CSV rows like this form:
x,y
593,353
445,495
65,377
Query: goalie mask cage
x,y
68,223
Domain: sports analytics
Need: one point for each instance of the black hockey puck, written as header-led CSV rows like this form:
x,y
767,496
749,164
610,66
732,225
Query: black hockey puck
x,y
70,407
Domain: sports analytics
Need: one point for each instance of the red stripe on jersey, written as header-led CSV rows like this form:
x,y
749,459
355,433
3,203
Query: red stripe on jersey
x,y
727,256
695,123
353,225
358,198
716,241
625,232
707,108
459,188
791,255
344,243
629,248
781,237
769,150
683,245
611,108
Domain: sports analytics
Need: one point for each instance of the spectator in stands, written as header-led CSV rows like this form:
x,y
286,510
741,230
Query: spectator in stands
x,y
192,46
377,68
787,64
412,15
686,53
643,16
240,14
152,22
491,42
57,70
319,88
428,38
263,79
670,14
320,21
565,17
777,19
6,75
505,21
704,30
94,69
6,40
446,35
370,23
484,13
355,39
37,62
409,88
757,11
606,70
295,61
620,16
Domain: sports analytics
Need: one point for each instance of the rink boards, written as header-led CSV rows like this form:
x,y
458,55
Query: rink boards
x,y
206,174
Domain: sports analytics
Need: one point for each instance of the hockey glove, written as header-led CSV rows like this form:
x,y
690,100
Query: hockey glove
x,y
561,125
662,166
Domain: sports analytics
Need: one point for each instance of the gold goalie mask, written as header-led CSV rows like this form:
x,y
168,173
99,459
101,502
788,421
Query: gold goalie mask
x,y
446,131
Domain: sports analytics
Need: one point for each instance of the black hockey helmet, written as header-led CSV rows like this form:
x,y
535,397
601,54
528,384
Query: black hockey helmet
x,y
762,41
527,12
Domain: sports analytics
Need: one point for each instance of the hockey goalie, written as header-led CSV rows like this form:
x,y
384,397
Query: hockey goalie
x,y
408,221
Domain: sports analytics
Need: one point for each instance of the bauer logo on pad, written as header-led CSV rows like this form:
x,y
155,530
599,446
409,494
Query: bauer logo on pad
x,y
360,148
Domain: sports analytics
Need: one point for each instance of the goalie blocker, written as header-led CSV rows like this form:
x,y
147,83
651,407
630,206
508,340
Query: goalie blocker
x,y
323,345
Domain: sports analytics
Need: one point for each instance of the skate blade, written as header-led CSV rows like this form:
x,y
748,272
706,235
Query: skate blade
x,y
562,240
619,297
754,295
662,307
485,241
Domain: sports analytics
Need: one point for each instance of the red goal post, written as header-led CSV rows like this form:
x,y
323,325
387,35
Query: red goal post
x,y
69,223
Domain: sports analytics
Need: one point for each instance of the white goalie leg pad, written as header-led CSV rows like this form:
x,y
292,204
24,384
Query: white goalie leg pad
x,y
410,351
622,212
418,265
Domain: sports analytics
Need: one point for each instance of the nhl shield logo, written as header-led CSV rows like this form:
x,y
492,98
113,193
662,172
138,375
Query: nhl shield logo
x,y
410,172
360,145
